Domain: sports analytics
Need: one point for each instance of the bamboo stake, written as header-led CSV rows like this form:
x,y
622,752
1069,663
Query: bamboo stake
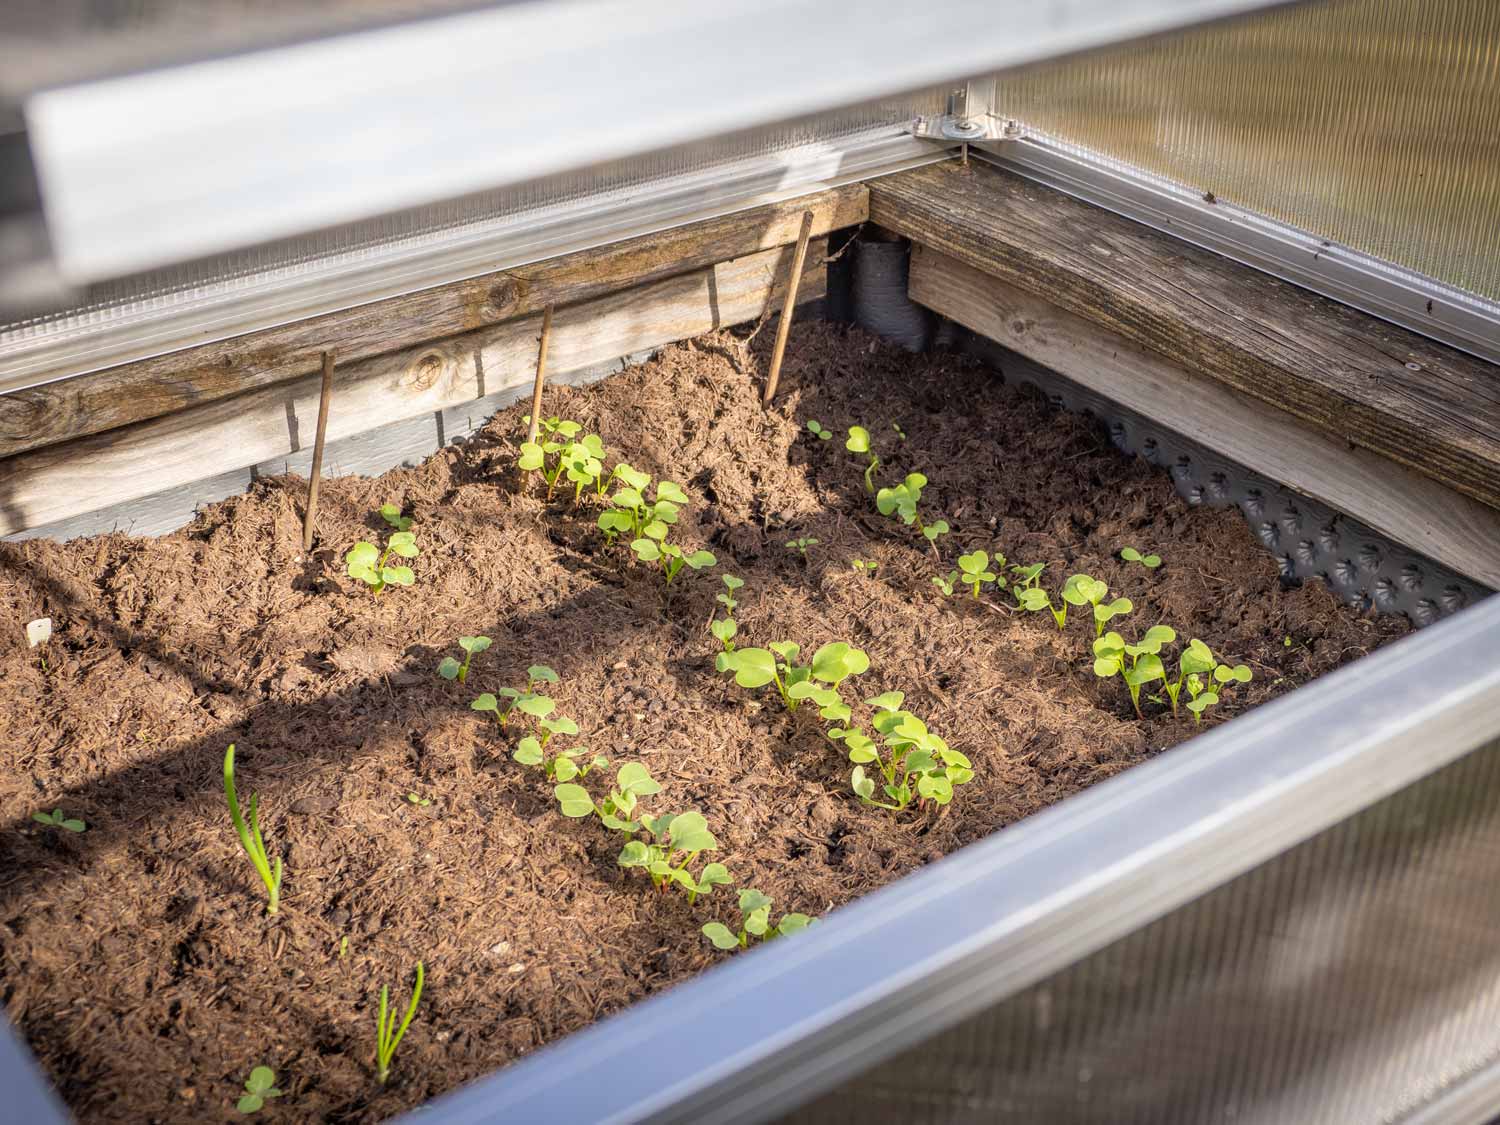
x,y
541,374
787,305
317,462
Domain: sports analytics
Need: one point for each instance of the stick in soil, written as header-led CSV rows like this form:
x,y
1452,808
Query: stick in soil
x,y
787,305
316,472
541,374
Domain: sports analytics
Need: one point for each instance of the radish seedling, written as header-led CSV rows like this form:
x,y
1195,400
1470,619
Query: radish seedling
x,y
417,799
1081,590
864,566
1203,675
451,669
946,585
676,841
366,561
859,442
902,502
258,1087
632,782
250,837
755,921
562,766
801,546
583,460
911,751
387,1035
976,572
815,428
55,819
554,434
528,701
1151,562
725,629
777,663
1137,664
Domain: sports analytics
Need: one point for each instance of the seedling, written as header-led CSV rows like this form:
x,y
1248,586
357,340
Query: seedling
x,y
1203,676
250,837
864,566
562,766
815,428
258,1087
777,663
417,799
583,462
800,546
630,511
902,502
676,841
632,782
755,921
366,561
1082,590
859,442
55,819
528,701
1026,577
1138,664
911,753
976,572
555,434
725,629
1151,562
392,515
900,433
451,669
387,1035
946,585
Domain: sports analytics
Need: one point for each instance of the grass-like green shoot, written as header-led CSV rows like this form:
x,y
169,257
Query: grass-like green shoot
x,y
250,837
387,1035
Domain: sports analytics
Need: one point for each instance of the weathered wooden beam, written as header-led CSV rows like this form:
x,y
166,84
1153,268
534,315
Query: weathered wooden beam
x,y
1357,379
1442,524
165,384
60,481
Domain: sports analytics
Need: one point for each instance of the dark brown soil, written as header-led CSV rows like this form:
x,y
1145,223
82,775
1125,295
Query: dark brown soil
x,y
137,957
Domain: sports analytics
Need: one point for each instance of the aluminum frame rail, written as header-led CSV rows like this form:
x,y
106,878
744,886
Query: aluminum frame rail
x,y
142,170
769,1030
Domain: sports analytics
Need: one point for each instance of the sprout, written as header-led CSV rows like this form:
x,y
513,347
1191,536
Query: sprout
x,y
258,1087
677,839
55,819
902,501
1196,663
725,629
1151,562
946,585
451,669
815,428
859,442
528,700
800,546
777,663
632,782
755,921
417,799
864,566
366,561
387,1035
1081,590
976,571
562,766
250,837
1144,666
911,753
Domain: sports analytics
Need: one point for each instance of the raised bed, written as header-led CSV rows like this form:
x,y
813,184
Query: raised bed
x,y
139,961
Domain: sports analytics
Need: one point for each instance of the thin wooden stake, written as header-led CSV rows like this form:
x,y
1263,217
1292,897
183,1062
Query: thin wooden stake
x,y
317,462
541,374
787,305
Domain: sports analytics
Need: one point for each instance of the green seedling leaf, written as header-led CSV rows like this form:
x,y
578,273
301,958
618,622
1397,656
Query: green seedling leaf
x,y
392,515
858,440
720,935
1239,674
646,550
532,457
55,819
635,780
449,668
573,800
835,662
1080,589
529,753
700,559
815,428
666,490
260,1086
887,701
933,530
752,667
418,800
792,923
387,1035
247,827
1130,554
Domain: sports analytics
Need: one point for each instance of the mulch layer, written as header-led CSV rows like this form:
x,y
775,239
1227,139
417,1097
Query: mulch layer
x,y
136,957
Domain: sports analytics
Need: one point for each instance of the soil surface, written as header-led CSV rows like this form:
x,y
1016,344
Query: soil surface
x,y
137,956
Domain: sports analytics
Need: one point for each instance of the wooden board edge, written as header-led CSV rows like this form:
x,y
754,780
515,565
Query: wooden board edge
x,y
1446,526
118,396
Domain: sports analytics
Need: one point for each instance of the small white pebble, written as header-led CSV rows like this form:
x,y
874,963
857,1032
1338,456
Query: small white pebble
x,y
38,631
516,968
500,948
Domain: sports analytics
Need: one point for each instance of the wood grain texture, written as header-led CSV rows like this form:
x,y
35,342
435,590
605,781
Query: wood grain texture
x,y
87,474
1357,379
1448,527
151,388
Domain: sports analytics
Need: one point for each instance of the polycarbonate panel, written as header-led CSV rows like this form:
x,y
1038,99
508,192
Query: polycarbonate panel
x,y
1353,978
1370,123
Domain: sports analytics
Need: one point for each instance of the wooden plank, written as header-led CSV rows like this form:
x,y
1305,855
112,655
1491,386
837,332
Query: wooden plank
x,y
1355,378
162,385
1448,527
55,483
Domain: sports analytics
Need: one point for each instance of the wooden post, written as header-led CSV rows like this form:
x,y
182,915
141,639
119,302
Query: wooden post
x,y
541,374
788,303
316,471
